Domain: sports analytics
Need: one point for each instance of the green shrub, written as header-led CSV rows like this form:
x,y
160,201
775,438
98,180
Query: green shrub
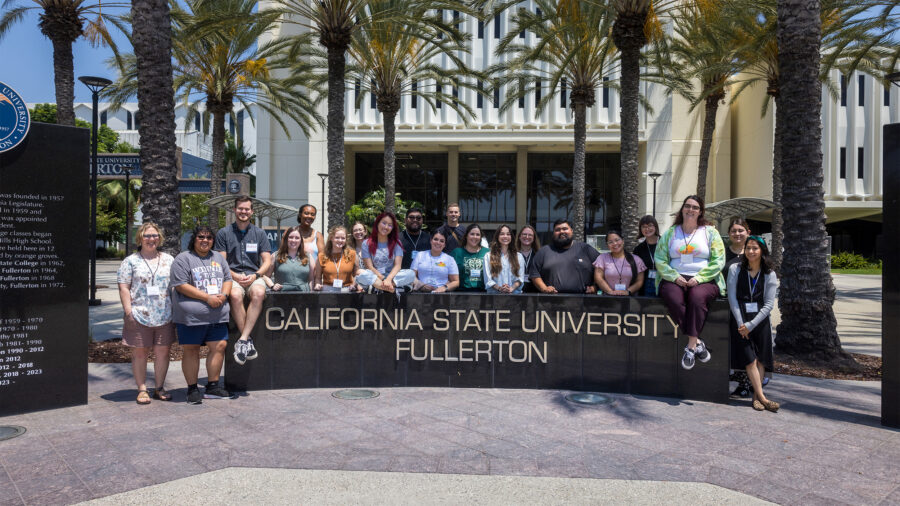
x,y
372,204
850,260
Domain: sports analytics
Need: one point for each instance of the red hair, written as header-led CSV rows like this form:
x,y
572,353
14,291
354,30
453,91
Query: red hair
x,y
393,237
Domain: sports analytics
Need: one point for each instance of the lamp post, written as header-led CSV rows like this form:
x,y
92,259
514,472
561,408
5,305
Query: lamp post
x,y
324,176
96,85
654,176
127,211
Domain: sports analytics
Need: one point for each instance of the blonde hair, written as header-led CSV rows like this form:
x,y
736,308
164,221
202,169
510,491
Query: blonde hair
x,y
139,234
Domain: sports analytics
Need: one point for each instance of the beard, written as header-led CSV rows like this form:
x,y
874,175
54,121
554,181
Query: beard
x,y
562,242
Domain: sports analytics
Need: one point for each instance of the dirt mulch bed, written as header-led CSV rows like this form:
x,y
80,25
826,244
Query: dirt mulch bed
x,y
869,370
114,351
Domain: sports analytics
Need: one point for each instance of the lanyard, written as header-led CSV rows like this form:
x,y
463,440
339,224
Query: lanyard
x,y
528,259
415,244
152,271
652,265
687,242
619,270
337,273
752,283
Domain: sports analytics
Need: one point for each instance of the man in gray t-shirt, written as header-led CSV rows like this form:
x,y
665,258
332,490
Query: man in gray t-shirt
x,y
565,266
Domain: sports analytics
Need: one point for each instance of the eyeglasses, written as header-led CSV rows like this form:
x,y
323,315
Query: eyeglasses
x,y
204,238
151,236
415,218
692,207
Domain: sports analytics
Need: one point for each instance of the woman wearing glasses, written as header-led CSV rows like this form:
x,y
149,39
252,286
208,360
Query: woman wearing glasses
x,y
618,272
689,260
143,280
201,279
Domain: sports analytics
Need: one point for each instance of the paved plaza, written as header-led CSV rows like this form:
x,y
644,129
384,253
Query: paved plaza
x,y
437,445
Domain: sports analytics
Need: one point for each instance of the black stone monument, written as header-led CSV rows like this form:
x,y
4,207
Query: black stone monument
x,y
890,288
44,270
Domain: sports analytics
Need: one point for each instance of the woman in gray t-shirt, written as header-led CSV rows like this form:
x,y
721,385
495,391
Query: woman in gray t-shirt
x,y
201,279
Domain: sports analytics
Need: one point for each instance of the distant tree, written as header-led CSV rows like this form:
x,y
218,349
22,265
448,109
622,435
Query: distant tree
x,y
372,204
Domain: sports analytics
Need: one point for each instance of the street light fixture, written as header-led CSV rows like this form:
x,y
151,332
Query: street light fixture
x,y
96,85
324,176
654,176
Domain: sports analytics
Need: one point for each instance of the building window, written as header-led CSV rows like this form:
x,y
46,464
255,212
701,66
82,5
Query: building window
x,y
497,97
440,16
128,120
843,90
862,90
197,122
843,162
539,14
605,92
887,97
456,21
550,191
537,92
240,126
231,125
137,120
497,26
437,102
419,176
480,29
860,163
415,98
373,103
103,118
479,98
357,88
562,94
487,187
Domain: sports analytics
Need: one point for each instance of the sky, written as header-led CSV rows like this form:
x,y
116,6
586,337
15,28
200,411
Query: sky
x,y
27,62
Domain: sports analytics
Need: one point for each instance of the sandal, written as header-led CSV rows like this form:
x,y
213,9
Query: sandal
x,y
771,406
162,394
758,405
143,397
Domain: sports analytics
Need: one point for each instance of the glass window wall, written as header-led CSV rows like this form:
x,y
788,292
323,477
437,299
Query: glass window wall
x,y
419,176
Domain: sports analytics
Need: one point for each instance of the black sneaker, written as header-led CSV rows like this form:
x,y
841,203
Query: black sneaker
x,y
214,391
701,352
741,391
194,396
251,350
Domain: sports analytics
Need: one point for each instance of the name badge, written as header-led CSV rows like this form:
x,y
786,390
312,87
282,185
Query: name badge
x,y
652,274
475,273
621,287
212,289
252,247
153,291
751,307
413,254
687,259
525,278
337,283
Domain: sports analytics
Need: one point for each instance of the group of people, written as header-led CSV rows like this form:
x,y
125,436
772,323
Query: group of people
x,y
226,274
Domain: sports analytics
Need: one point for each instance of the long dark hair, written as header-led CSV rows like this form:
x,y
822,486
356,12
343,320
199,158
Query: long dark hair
x,y
628,256
470,228
197,230
701,220
496,249
393,237
282,254
765,261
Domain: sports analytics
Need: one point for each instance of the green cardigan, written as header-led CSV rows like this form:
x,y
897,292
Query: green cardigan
x,y
713,269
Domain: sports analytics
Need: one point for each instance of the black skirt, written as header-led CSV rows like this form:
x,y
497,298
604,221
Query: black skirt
x,y
758,346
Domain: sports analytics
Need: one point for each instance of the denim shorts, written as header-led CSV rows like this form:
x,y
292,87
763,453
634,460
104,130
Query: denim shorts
x,y
199,334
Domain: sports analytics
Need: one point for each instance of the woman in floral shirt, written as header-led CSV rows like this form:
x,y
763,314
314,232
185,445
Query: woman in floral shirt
x,y
144,289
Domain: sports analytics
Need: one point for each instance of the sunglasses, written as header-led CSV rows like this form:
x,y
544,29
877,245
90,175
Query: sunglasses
x,y
416,218
204,238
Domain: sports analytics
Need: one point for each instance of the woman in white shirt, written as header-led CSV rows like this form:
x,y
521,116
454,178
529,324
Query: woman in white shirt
x,y
436,271
504,270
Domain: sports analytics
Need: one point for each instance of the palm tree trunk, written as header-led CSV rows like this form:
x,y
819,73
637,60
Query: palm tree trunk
x,y
64,81
580,110
218,161
335,133
778,210
152,41
709,128
628,35
808,326
390,174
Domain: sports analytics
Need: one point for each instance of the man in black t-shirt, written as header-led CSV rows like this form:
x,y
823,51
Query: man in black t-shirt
x,y
564,266
413,238
452,230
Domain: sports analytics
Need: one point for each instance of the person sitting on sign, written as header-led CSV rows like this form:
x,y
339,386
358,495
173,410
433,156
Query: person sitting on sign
x,y
436,271
201,278
470,260
752,288
689,260
383,256
564,265
292,265
336,269
504,266
618,272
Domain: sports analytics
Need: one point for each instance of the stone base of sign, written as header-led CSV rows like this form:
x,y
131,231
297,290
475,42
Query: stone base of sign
x,y
890,309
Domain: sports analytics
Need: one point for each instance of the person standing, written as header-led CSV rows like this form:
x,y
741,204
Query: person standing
x,y
618,272
738,231
143,280
470,260
527,243
689,260
249,256
452,230
564,266
752,288
413,238
648,231
201,278
313,242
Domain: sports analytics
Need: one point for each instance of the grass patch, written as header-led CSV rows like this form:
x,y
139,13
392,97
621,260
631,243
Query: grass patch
x,y
872,271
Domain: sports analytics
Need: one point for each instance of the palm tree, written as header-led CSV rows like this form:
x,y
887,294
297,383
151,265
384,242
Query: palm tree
x,y
390,58
574,52
152,40
219,59
63,22
808,325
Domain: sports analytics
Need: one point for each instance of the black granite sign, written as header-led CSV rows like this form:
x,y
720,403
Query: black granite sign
x,y
608,344
890,290
43,270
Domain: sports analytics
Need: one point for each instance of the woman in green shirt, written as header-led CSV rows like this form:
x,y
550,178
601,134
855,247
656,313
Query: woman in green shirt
x,y
292,265
470,259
